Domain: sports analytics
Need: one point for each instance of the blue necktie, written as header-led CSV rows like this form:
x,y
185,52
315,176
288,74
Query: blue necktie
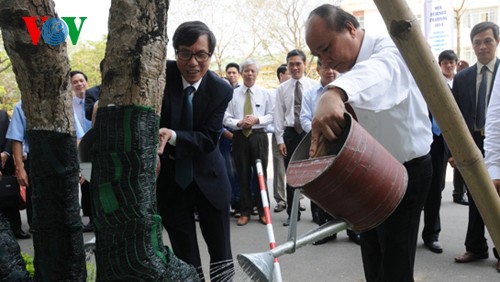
x,y
184,166
435,128
481,101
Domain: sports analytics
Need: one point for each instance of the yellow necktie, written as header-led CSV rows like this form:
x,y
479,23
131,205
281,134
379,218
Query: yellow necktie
x,y
247,110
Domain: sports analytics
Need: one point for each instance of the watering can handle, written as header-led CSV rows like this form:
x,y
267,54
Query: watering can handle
x,y
350,110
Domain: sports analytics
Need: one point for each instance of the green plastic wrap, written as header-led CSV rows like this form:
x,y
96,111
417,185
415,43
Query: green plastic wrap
x,y
128,229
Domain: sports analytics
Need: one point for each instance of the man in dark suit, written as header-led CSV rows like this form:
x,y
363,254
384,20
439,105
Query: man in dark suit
x,y
469,86
91,96
193,174
7,168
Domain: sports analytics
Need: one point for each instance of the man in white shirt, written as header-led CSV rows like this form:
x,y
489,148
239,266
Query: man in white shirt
x,y
278,160
376,82
79,85
248,114
287,128
492,142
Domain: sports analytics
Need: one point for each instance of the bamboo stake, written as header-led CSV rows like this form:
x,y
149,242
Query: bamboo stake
x,y
405,31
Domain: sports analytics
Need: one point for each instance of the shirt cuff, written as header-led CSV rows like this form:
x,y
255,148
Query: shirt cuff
x,y
494,172
173,139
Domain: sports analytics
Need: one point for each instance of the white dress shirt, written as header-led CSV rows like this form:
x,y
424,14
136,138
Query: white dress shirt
x,y
386,99
262,107
492,131
284,106
309,104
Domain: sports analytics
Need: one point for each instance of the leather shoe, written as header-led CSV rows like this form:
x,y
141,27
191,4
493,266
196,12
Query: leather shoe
x,y
280,207
498,265
462,200
20,234
324,240
243,220
355,239
434,246
88,228
287,221
302,207
470,257
262,220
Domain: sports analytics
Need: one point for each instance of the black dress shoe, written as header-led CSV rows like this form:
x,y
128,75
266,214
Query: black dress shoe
x,y
287,221
324,240
461,199
88,228
20,234
355,238
434,246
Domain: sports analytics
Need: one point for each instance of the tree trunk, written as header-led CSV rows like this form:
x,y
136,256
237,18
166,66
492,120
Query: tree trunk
x,y
124,155
42,73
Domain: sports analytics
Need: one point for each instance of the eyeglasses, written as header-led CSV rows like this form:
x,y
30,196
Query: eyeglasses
x,y
487,41
200,57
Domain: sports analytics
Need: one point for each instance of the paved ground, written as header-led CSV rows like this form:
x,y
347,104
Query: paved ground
x,y
340,260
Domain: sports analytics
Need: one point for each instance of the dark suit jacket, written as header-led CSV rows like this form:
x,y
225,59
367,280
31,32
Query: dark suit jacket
x,y
91,96
201,144
5,144
464,91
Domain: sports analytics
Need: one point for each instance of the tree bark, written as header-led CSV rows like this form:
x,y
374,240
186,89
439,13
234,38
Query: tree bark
x,y
42,73
124,156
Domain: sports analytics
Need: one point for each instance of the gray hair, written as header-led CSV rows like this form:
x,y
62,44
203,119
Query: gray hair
x,y
248,63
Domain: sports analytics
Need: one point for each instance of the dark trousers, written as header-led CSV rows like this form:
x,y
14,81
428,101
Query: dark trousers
x,y
474,240
388,251
13,216
432,222
246,151
176,207
292,140
86,199
458,184
225,146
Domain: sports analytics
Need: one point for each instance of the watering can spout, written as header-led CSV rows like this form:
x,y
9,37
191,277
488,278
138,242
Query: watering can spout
x,y
258,266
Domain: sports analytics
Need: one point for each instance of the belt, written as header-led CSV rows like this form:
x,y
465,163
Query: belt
x,y
417,160
254,130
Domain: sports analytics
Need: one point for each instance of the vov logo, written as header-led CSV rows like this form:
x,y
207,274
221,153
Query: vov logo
x,y
54,31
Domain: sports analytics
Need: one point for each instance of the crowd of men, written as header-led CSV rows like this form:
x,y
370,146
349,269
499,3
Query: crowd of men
x,y
213,130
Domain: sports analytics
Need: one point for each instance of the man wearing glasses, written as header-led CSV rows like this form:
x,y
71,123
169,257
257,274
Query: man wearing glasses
x,y
193,174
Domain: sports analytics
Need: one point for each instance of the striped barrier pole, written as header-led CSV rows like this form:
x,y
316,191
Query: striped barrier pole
x,y
267,214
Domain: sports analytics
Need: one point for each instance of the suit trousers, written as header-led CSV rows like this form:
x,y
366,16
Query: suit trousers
x,y
432,222
474,240
279,173
292,140
177,207
246,150
86,199
388,251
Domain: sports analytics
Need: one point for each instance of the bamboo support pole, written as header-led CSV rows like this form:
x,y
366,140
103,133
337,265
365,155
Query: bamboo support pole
x,y
405,31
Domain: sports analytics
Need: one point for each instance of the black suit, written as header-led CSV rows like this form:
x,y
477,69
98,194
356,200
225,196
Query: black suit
x,y
210,192
464,92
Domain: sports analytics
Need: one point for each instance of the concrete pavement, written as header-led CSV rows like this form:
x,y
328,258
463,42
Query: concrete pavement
x,y
340,260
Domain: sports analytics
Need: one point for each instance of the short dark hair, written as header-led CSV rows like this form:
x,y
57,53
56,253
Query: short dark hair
x,y
482,26
73,73
447,55
281,70
296,52
188,33
335,18
233,65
